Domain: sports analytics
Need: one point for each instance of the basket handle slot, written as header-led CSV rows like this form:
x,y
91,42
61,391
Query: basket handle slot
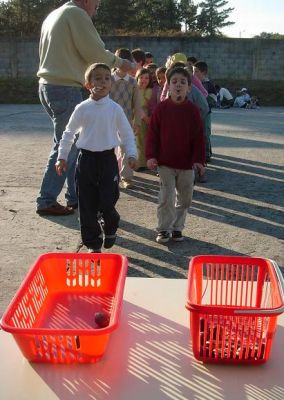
x,y
77,341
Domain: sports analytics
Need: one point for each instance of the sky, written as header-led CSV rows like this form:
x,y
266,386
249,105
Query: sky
x,y
252,17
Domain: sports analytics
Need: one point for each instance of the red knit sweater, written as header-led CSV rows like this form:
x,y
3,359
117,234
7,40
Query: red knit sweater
x,y
175,135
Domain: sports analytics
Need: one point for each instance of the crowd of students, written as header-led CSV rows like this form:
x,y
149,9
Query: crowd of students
x,y
138,116
172,137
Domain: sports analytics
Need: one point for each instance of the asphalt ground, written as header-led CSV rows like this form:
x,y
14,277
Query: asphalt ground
x,y
239,211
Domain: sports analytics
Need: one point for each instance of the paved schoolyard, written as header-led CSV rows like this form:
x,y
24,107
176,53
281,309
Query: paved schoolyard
x,y
238,212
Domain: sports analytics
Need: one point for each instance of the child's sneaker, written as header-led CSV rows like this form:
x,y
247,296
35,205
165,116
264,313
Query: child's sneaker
x,y
177,236
163,237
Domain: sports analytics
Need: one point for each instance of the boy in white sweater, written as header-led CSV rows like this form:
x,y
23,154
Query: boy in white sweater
x,y
102,125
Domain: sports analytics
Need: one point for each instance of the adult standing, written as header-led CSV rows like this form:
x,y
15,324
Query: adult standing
x,y
69,42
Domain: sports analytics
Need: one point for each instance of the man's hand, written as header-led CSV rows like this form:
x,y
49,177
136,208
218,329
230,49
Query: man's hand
x,y
60,166
152,163
200,168
132,162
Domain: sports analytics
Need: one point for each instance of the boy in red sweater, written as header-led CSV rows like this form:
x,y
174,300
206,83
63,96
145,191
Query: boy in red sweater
x,y
175,145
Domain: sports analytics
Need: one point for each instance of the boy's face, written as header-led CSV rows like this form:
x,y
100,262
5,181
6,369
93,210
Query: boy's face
x,y
100,83
178,87
198,73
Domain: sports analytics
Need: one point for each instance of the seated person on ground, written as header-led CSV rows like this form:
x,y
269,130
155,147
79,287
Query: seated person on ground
x,y
224,97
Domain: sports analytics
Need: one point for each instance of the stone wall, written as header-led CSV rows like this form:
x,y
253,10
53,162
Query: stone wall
x,y
239,59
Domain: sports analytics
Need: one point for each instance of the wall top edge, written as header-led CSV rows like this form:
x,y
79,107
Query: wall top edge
x,y
5,38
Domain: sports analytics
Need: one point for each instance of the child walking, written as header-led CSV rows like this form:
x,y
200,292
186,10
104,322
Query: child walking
x,y
102,125
143,77
125,92
175,144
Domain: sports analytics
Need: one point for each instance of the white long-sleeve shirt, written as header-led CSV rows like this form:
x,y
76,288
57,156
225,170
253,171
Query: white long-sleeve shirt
x,y
101,125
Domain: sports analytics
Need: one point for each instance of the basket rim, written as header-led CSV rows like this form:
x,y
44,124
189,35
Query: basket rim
x,y
234,310
118,299
272,268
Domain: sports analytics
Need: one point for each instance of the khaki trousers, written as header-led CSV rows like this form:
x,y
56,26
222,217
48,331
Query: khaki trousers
x,y
175,197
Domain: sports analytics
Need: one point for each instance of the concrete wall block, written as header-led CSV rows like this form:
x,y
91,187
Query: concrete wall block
x,y
227,58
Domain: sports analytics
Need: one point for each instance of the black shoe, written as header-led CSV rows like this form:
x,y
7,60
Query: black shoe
x,y
177,236
90,250
109,241
163,237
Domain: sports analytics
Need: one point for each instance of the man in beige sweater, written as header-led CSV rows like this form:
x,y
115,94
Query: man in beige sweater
x,y
69,42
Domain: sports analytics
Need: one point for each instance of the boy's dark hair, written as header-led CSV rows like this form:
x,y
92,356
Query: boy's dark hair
x,y
152,65
202,66
193,60
148,54
159,70
139,55
92,68
217,87
124,53
177,70
143,71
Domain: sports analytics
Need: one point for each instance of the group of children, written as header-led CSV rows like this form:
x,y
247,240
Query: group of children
x,y
242,100
138,121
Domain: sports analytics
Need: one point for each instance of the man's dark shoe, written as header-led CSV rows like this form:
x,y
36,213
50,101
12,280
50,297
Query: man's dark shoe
x,y
109,241
55,210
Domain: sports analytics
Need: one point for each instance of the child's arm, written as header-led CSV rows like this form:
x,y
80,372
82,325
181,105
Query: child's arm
x,y
165,92
199,155
67,140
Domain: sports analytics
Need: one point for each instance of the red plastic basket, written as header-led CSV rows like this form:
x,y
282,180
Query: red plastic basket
x,y
233,303
52,315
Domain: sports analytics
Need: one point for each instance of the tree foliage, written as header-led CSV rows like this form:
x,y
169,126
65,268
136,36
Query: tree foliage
x,y
24,17
188,15
213,17
269,35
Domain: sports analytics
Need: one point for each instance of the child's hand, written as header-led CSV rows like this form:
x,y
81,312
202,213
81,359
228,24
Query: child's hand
x,y
200,168
152,163
60,166
132,162
146,119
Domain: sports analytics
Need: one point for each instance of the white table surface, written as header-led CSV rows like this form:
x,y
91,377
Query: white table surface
x,y
148,357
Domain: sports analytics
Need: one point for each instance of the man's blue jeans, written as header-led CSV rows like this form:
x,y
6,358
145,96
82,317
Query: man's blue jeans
x,y
59,103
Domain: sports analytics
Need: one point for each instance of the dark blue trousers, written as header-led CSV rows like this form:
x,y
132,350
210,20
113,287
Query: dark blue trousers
x,y
97,182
